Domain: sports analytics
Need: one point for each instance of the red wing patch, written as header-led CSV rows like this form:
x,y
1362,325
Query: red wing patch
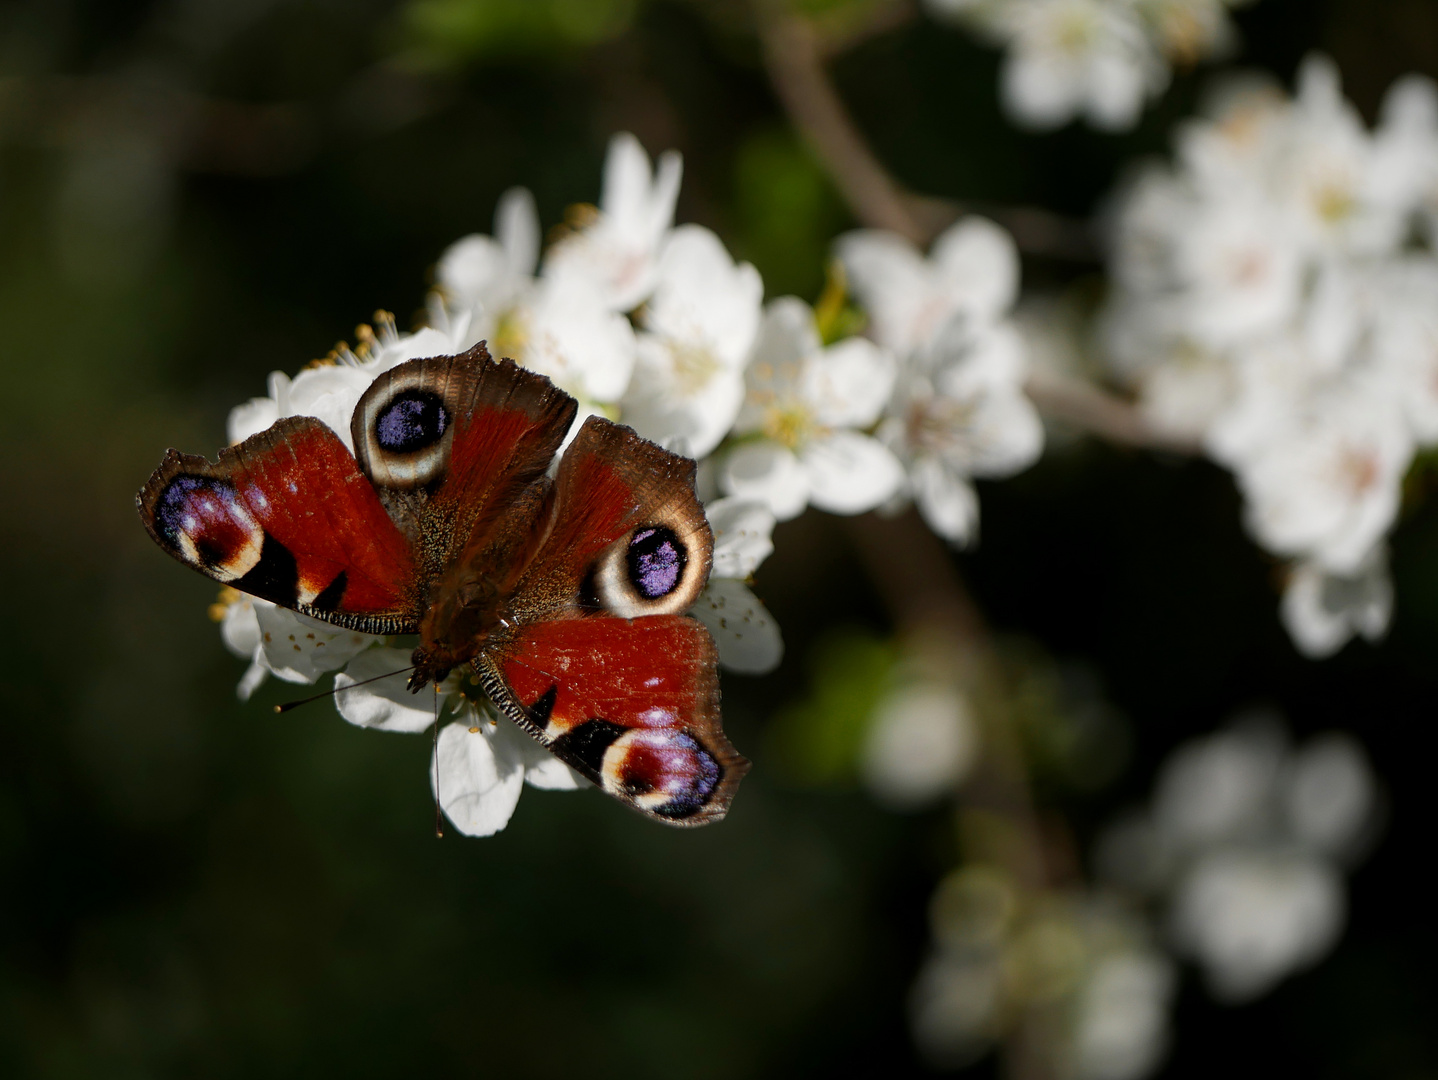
x,y
631,704
287,516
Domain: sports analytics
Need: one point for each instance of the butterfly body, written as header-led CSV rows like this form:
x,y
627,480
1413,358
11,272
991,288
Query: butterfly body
x,y
564,593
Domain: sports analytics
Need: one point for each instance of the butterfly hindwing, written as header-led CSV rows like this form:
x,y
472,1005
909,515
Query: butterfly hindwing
x,y
632,704
287,516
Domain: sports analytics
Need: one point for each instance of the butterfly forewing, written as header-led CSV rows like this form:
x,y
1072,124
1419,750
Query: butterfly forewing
x,y
287,516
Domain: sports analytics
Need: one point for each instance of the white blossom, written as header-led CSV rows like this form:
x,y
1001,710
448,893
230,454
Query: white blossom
x,y
958,409
1244,847
1269,304
699,327
619,249
802,420
1251,918
922,741
1323,611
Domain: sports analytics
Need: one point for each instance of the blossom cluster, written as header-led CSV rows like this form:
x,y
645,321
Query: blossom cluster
x,y
1275,300
1096,59
658,327
1238,865
1244,850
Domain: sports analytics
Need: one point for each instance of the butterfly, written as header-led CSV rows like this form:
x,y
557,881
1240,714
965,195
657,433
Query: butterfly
x,y
565,594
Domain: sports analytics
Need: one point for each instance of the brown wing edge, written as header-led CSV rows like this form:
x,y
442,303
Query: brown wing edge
x,y
176,464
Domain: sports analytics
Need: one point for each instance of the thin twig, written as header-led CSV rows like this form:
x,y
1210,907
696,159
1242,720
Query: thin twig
x,y
795,64
1094,410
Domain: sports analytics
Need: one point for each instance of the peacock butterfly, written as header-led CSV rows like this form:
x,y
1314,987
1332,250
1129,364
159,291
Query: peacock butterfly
x,y
565,594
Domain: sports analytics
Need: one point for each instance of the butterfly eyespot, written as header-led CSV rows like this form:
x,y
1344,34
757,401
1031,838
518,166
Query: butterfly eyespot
x,y
657,569
402,431
666,771
205,521
412,420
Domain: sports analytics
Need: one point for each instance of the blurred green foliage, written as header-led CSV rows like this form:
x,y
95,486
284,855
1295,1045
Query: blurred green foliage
x,y
816,740
451,33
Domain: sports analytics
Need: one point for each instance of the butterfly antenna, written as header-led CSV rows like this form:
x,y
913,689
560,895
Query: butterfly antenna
x,y
287,706
438,816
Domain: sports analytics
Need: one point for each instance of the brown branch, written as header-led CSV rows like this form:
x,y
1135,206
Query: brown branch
x,y
793,58
1093,410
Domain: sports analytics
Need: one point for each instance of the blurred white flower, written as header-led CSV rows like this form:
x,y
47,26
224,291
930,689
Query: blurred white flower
x,y
1069,58
922,741
699,327
1270,305
619,249
489,275
958,409
1121,1031
1243,846
1250,918
958,412
1330,795
1097,59
804,413
970,275
1219,788
1324,611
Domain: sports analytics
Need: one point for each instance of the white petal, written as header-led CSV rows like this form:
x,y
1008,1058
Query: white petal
x,y
946,501
478,777
298,649
516,227
1322,611
252,679
577,341
251,418
769,473
702,299
661,405
384,704
893,283
330,393
850,473
743,530
744,632
240,629
980,261
848,384
543,770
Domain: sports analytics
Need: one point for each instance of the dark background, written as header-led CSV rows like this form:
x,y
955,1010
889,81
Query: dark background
x,y
190,886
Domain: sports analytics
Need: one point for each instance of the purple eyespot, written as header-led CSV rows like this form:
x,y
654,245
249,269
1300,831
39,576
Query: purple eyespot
x,y
656,560
413,420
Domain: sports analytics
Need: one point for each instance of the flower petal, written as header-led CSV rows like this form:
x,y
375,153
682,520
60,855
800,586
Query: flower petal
x,y
848,384
477,776
385,704
979,261
850,473
298,649
543,770
744,632
946,501
743,531
769,473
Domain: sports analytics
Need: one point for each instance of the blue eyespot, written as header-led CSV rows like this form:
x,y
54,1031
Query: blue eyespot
x,y
656,561
413,420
